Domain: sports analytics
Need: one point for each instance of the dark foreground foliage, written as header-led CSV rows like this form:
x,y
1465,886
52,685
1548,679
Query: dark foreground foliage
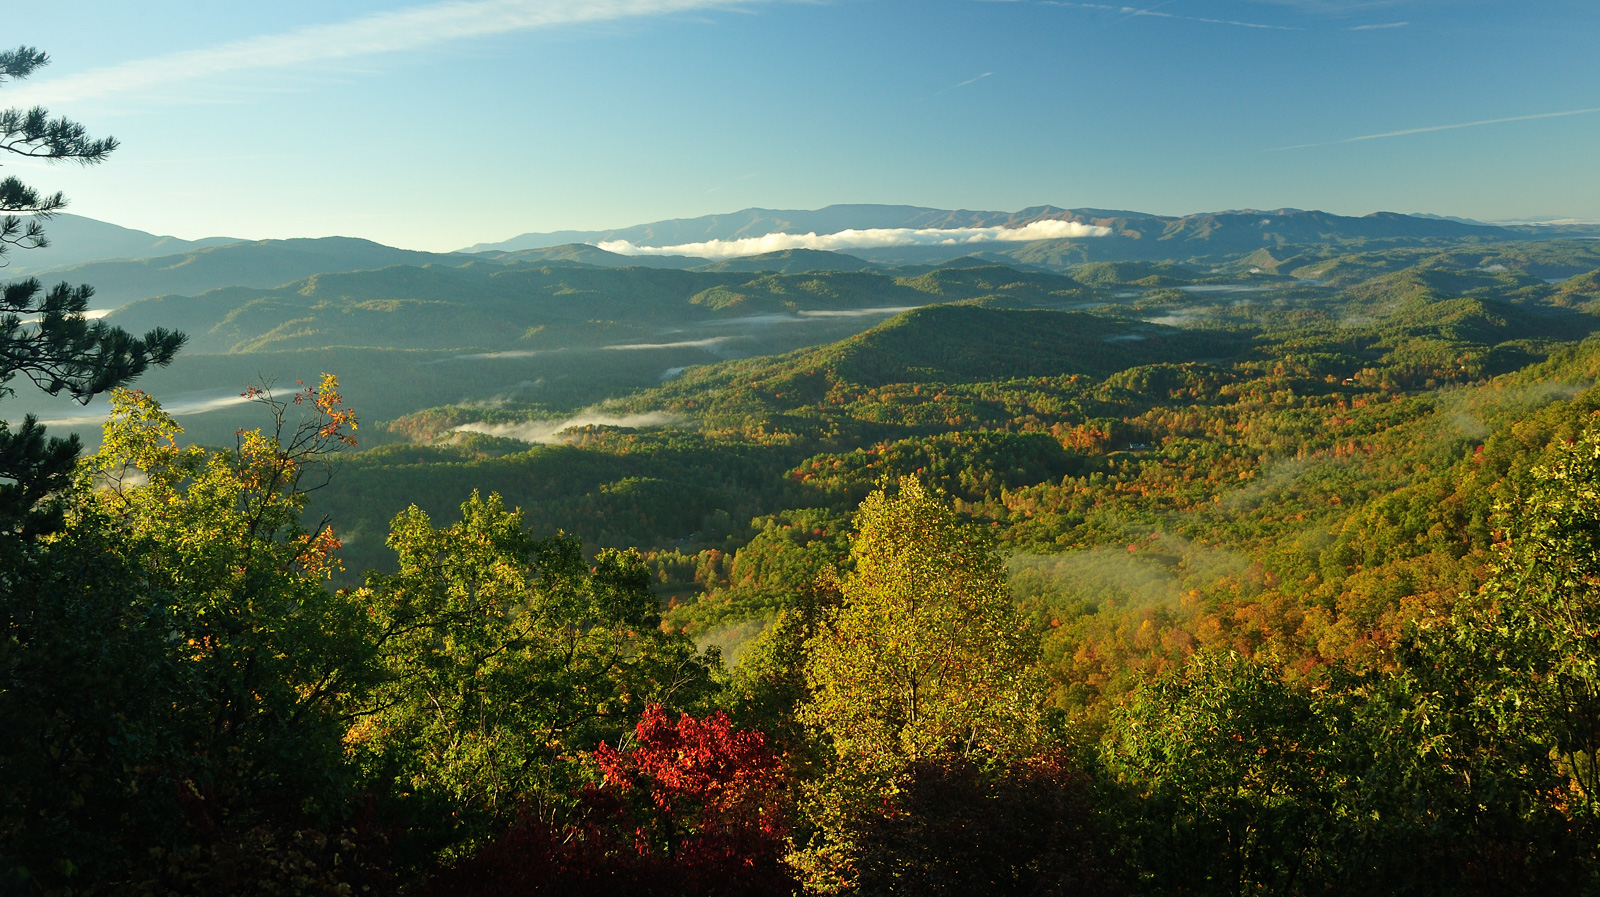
x,y
1028,828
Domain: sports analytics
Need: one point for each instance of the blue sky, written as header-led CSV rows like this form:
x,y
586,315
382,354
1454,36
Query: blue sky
x,y
434,125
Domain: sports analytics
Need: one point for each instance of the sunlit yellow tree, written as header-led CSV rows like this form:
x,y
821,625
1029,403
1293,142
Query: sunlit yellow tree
x,y
927,654
924,660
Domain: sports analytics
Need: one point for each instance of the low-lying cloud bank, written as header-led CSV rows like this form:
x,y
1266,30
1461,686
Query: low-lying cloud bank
x,y
178,406
546,432
871,238
706,343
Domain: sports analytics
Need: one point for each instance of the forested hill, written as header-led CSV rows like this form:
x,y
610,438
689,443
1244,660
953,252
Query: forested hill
x,y
560,335
961,343
556,305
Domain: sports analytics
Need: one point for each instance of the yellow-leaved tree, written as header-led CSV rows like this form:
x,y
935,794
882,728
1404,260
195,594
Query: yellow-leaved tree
x,y
927,654
924,660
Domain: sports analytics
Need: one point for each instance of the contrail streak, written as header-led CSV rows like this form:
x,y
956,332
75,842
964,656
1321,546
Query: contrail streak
x,y
1465,124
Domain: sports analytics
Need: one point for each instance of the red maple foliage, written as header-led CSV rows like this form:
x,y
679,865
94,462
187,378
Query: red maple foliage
x,y
693,808
710,789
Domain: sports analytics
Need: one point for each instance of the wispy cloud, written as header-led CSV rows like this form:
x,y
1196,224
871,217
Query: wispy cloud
x,y
1428,130
869,238
1155,13
385,32
1379,27
857,312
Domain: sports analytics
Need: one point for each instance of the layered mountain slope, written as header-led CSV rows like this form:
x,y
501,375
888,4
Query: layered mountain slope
x,y
565,305
956,343
262,263
941,344
75,240
1280,241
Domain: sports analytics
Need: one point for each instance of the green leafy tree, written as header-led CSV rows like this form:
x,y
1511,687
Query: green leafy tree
x,y
1236,781
1231,777
1431,795
1505,694
184,685
43,333
87,680
767,687
506,659
272,654
1540,624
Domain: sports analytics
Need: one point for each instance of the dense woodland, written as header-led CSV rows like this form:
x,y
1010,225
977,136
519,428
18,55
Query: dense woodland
x,y
1140,578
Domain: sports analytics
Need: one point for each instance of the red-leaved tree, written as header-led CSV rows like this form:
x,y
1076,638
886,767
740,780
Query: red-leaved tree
x,y
694,807
706,797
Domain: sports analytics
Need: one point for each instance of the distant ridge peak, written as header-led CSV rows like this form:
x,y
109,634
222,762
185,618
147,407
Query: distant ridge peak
x,y
758,222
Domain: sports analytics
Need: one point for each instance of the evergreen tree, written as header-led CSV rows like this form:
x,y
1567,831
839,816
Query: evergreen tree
x,y
44,333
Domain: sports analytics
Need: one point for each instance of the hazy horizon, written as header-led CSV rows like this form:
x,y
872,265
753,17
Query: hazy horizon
x,y
841,241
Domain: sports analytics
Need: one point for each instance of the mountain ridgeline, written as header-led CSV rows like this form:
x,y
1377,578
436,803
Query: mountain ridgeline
x,y
125,265
1218,233
75,240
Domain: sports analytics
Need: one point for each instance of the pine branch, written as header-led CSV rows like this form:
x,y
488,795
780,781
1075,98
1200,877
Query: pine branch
x,y
21,62
35,135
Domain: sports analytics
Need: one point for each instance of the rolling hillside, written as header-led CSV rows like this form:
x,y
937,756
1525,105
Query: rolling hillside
x,y
562,305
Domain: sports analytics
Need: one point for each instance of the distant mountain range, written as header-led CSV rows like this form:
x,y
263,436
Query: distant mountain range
x,y
760,222
1276,226
262,263
125,264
